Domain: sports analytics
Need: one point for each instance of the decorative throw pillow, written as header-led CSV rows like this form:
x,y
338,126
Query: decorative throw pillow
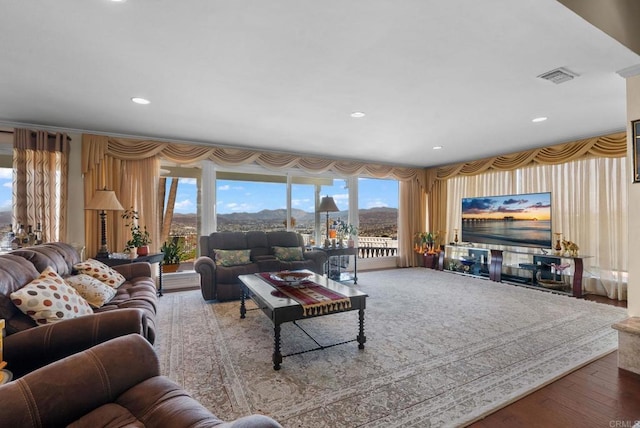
x,y
94,291
232,257
100,271
288,254
48,299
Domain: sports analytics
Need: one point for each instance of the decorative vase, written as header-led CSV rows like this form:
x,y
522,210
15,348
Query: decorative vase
x,y
351,243
143,251
558,247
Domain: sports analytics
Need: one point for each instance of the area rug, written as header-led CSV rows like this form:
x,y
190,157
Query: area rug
x,y
442,350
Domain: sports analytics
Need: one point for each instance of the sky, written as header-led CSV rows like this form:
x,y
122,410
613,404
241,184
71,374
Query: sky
x,y
524,206
5,189
243,196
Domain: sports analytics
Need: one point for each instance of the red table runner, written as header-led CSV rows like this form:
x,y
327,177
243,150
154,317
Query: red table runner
x,y
314,298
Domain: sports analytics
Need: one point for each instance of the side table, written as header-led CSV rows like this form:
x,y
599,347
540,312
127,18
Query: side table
x,y
151,258
339,252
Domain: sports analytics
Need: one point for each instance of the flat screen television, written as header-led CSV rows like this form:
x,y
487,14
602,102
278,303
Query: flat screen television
x,y
522,220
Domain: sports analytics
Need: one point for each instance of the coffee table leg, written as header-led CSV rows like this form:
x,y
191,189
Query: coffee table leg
x,y
277,356
243,309
361,337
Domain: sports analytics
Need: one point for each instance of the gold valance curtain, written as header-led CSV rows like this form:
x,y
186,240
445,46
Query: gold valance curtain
x,y
40,174
103,158
609,146
134,181
131,149
606,146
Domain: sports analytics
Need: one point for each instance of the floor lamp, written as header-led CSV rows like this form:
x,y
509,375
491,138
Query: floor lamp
x,y
328,205
104,200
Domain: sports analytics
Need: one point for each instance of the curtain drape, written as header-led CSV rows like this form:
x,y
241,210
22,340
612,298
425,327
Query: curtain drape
x,y
106,159
412,213
133,181
589,207
40,174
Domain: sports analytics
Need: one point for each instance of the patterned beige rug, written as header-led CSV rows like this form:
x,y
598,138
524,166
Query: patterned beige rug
x,y
442,350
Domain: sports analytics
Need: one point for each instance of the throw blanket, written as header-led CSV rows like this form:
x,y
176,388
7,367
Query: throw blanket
x,y
314,298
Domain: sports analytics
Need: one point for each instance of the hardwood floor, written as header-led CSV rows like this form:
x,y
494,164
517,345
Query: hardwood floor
x,y
597,395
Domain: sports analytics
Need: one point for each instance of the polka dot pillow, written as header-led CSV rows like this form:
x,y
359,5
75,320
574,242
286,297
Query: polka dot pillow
x,y
48,299
100,271
94,291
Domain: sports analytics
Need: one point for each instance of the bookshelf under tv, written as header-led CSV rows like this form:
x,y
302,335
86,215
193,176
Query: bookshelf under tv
x,y
534,269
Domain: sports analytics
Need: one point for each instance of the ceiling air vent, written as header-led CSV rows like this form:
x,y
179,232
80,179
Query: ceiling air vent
x,y
559,75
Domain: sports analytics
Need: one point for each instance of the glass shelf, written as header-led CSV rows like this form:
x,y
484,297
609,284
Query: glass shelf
x,y
531,268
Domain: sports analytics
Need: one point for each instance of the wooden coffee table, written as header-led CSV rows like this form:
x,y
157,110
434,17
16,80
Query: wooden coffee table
x,y
283,309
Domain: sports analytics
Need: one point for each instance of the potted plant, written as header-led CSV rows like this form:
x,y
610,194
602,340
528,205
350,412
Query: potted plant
x,y
140,238
349,230
173,252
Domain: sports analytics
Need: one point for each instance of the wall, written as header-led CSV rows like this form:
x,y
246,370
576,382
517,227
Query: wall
x,y
633,113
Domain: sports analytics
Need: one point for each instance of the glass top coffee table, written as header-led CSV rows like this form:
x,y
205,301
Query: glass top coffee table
x,y
281,303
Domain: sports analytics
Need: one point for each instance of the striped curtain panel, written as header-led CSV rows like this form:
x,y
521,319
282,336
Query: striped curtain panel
x,y
40,171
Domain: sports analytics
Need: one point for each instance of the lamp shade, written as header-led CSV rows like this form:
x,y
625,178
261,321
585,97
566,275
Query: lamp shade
x,y
327,204
104,200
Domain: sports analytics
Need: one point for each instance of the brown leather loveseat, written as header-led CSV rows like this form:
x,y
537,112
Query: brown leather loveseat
x,y
220,282
113,384
29,346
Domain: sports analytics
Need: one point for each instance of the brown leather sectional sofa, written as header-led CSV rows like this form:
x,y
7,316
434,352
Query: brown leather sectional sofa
x,y
113,384
27,346
222,283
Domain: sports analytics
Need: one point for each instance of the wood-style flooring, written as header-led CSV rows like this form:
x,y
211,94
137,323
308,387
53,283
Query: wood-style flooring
x,y
596,395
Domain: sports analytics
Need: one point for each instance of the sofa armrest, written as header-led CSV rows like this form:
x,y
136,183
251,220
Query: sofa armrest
x,y
206,267
36,347
64,391
134,270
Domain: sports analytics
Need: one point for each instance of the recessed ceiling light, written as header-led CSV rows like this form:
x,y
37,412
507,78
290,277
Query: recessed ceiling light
x,y
357,114
539,119
139,100
437,147
118,1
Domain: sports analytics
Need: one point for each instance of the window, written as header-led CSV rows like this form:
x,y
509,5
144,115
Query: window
x,y
181,210
253,203
378,212
6,202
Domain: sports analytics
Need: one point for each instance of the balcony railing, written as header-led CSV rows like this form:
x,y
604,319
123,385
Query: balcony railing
x,y
376,246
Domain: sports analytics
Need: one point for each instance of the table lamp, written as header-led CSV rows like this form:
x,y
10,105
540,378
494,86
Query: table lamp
x,y
104,200
328,205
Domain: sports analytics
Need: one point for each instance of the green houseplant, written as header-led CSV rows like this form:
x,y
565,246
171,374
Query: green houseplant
x,y
173,252
140,237
348,230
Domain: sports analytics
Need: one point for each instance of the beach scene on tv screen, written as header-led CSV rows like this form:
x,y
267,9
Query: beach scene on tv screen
x,y
522,220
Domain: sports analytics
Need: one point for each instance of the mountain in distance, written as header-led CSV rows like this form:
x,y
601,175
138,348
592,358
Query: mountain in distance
x,y
379,221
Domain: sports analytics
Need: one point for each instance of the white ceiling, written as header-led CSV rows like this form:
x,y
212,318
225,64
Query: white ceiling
x,y
285,75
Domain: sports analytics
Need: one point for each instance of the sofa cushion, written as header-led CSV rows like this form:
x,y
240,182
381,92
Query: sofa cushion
x,y
94,291
288,254
100,271
232,257
48,299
